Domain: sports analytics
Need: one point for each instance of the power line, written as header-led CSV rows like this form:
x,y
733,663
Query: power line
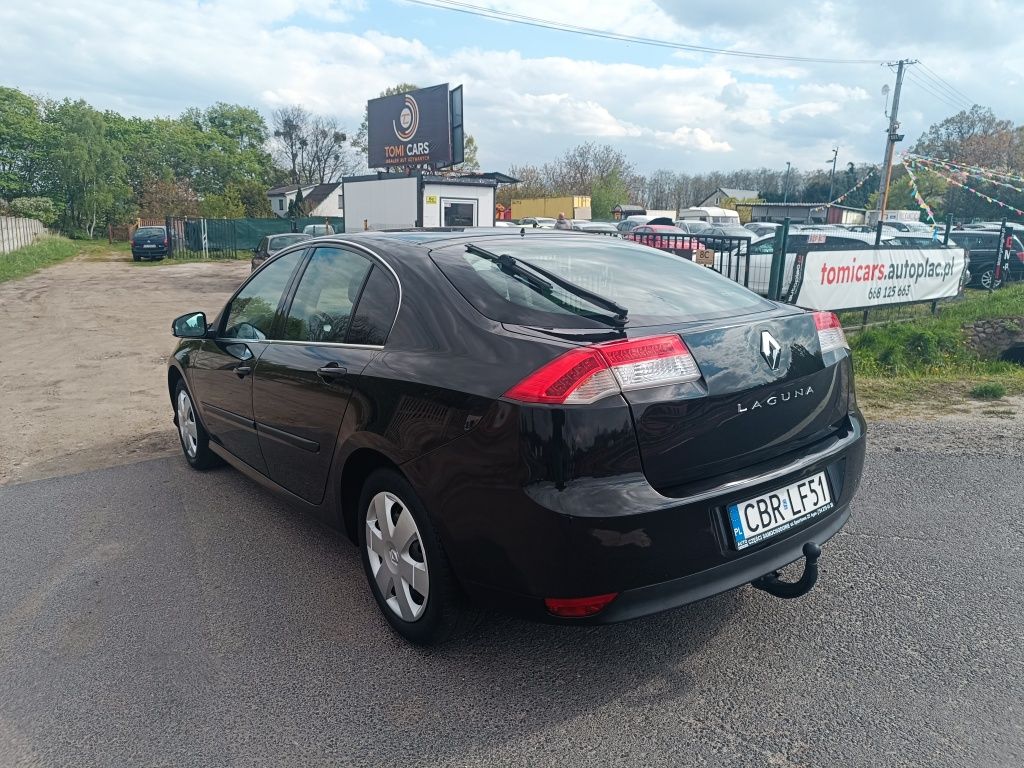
x,y
949,85
532,21
944,89
924,86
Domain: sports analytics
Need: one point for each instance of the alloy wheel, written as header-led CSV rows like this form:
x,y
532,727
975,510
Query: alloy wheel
x,y
397,559
187,424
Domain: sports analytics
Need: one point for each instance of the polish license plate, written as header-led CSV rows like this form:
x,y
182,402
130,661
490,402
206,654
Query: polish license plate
x,y
149,245
762,517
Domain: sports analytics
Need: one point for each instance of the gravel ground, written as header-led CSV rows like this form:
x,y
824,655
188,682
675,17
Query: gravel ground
x,y
83,357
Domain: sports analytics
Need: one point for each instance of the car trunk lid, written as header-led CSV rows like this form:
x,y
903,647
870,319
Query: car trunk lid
x,y
765,391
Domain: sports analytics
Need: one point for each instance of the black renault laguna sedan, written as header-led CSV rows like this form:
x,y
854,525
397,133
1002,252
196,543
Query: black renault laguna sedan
x,y
573,428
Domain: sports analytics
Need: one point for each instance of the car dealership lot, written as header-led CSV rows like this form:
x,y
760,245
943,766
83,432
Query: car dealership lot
x,y
152,615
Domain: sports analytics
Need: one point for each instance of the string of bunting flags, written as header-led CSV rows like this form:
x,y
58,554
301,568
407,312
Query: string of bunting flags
x,y
847,193
979,193
973,170
954,168
921,202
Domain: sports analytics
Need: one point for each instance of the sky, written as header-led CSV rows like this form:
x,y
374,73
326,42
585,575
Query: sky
x,y
532,93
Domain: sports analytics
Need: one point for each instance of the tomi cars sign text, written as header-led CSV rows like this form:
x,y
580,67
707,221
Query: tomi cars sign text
x,y
873,277
409,129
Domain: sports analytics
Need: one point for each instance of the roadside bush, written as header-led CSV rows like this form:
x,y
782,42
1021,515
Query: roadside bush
x,y
989,390
40,208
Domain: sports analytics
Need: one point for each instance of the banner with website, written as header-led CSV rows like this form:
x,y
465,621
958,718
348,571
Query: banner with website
x,y
873,277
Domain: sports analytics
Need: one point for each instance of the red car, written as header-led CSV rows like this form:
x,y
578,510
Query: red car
x,y
666,238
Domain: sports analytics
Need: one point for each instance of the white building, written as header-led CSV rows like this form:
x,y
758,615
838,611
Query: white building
x,y
318,199
395,201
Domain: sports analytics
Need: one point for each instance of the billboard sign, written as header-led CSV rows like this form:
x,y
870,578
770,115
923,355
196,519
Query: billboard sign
x,y
858,279
409,129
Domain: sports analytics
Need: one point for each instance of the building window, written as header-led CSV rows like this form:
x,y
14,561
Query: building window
x,y
340,203
280,203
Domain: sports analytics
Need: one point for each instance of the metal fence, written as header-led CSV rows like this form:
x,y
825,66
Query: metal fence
x,y
231,238
16,232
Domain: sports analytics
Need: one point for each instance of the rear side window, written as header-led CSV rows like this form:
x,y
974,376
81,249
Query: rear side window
x,y
322,307
375,313
655,286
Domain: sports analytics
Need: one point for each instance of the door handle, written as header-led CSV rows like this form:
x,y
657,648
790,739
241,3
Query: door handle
x,y
331,371
243,370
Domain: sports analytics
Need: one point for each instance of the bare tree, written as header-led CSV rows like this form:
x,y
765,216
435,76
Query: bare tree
x,y
290,124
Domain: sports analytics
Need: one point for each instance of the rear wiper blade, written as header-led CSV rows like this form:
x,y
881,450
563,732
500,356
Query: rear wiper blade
x,y
509,266
508,263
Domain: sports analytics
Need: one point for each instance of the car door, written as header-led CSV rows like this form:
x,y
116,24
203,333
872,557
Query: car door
x,y
342,308
222,368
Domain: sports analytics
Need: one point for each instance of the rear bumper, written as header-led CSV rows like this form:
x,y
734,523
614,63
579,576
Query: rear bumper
x,y
150,253
513,547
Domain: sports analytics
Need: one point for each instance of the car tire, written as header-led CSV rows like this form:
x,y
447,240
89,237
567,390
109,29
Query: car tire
x,y
194,439
986,278
405,548
136,258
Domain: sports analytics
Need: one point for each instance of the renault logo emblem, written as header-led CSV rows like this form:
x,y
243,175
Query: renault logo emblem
x,y
771,350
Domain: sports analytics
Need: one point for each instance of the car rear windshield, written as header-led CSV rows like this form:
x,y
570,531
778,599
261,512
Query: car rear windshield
x,y
656,287
149,232
277,243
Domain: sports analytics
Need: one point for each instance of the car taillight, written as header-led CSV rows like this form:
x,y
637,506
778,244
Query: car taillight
x,y
165,240
830,332
578,607
1020,256
588,374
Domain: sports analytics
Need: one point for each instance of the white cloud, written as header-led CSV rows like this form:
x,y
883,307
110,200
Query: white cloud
x,y
664,108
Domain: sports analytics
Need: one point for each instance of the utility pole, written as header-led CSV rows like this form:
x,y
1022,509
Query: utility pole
x,y
785,186
891,139
832,176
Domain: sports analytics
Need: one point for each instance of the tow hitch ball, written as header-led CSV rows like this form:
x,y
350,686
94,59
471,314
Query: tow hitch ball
x,y
773,585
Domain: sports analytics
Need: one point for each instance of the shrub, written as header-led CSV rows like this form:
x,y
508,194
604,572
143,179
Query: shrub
x,y
988,390
39,208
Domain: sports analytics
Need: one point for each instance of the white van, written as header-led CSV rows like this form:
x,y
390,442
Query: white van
x,y
711,215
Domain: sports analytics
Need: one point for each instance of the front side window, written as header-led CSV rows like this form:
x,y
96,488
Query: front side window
x,y
327,292
251,312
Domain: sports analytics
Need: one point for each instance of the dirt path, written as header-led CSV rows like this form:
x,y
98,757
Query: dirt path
x,y
83,348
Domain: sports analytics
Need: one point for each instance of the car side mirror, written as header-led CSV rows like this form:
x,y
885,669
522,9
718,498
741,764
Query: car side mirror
x,y
190,326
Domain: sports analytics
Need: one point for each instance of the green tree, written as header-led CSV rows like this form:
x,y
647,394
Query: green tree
x,y
21,143
84,169
607,192
253,196
225,206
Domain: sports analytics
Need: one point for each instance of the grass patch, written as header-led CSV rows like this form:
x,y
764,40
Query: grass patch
x,y
935,345
989,390
46,251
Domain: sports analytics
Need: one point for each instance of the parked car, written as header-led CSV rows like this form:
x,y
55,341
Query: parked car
x,y
761,228
666,238
727,231
538,222
982,246
694,227
761,250
628,225
928,241
318,230
271,244
149,243
597,227
482,424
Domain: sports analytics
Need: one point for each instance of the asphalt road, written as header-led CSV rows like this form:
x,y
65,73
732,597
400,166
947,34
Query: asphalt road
x,y
151,615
